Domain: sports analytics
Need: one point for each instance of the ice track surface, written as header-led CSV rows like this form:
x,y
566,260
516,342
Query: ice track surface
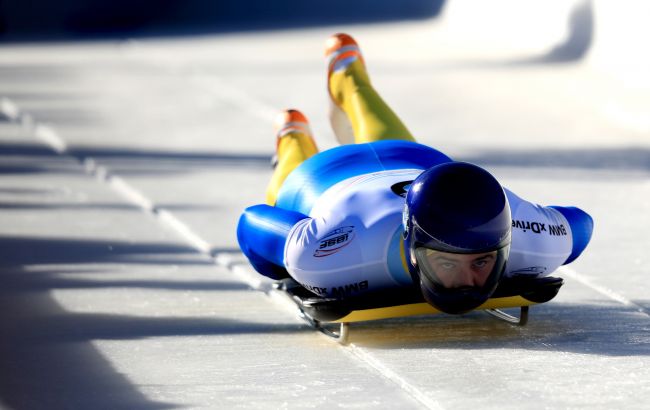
x,y
124,167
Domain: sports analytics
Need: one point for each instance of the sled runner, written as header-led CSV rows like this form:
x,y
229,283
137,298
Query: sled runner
x,y
321,313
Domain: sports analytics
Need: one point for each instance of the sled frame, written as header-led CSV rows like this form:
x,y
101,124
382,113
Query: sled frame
x,y
513,320
341,335
335,323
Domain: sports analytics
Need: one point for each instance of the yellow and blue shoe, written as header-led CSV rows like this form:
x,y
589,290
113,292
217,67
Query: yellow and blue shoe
x,y
294,144
292,121
345,69
341,50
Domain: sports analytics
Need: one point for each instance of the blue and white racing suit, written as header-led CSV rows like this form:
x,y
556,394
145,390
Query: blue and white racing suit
x,y
337,224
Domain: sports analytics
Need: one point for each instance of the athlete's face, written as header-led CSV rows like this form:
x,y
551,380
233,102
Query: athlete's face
x,y
457,270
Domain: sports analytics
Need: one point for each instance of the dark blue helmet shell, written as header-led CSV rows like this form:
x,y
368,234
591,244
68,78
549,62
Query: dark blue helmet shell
x,y
457,207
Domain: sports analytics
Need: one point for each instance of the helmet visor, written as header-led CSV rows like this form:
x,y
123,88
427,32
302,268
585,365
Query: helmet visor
x,y
459,282
456,270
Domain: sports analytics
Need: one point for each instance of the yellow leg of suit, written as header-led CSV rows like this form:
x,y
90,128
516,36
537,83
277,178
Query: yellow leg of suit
x,y
293,149
371,118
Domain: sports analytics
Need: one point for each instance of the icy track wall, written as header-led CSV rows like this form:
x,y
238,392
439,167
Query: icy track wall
x,y
605,33
606,30
608,39
605,36
609,33
78,18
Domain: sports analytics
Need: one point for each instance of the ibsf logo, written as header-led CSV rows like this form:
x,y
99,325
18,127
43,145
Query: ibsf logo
x,y
335,241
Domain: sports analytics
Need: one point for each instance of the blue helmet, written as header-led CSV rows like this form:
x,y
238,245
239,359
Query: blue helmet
x,y
457,235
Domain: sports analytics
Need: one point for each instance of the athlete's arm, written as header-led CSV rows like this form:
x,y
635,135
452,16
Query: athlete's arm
x,y
545,237
582,226
262,233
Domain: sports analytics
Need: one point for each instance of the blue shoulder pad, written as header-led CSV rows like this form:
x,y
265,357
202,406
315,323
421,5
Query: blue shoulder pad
x,y
582,226
262,233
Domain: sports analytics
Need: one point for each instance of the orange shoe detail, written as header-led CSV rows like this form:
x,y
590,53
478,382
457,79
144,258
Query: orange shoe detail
x,y
341,50
289,121
340,47
338,40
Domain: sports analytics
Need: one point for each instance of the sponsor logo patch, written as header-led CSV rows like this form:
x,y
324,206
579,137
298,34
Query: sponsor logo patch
x,y
350,289
538,227
334,241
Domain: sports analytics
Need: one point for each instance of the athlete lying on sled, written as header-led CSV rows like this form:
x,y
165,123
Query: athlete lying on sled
x,y
386,221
